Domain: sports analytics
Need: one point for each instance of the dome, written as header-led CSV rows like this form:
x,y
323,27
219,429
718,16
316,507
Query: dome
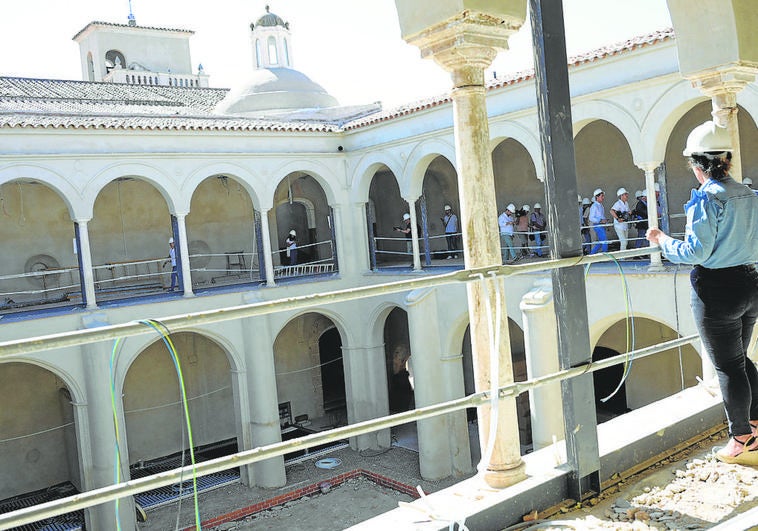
x,y
268,89
271,20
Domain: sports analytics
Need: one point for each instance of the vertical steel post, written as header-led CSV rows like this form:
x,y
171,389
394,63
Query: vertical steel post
x,y
259,247
425,231
556,134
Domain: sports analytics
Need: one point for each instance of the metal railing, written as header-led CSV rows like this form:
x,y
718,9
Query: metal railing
x,y
54,285
113,492
312,265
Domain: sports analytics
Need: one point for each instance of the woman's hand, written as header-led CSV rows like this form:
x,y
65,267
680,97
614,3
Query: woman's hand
x,y
654,235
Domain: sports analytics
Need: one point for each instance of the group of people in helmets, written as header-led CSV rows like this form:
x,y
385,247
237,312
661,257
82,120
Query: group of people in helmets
x,y
625,218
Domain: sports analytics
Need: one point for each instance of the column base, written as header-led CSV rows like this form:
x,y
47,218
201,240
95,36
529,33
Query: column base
x,y
500,479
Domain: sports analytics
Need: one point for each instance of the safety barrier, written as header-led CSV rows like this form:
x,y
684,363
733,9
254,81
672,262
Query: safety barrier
x,y
112,492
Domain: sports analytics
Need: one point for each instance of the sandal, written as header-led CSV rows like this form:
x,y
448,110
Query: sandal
x,y
745,457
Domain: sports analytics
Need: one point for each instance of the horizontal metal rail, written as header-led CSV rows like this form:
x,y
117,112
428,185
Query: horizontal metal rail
x,y
191,320
246,457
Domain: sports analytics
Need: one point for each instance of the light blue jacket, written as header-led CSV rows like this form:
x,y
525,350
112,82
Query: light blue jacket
x,y
722,227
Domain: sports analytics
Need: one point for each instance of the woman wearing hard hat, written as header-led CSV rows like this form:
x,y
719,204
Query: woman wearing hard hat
x,y
721,241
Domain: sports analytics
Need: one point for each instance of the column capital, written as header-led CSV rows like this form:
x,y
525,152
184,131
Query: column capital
x,y
722,81
648,166
470,39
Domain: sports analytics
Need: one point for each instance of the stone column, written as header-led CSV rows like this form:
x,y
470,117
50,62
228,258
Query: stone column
x,y
464,46
443,440
652,210
184,255
267,258
366,393
262,396
102,435
414,235
722,87
541,340
85,262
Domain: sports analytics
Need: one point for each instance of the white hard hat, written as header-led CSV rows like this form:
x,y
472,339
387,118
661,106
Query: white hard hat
x,y
621,191
511,207
657,187
171,240
293,233
525,207
708,138
586,201
537,205
747,181
447,207
597,192
638,194
406,216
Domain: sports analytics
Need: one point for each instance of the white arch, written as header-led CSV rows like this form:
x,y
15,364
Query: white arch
x,y
367,167
72,197
412,180
663,116
589,111
501,131
319,171
166,185
239,174
310,209
334,317
77,393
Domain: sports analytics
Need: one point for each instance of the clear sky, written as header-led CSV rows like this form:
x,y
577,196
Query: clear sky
x,y
352,48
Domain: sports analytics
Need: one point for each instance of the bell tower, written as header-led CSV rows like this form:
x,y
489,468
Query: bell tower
x,y
271,40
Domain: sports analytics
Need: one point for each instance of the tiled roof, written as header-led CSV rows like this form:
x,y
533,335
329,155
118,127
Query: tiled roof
x,y
100,23
518,77
81,104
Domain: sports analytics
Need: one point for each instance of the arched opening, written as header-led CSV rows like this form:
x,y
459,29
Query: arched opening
x,y
156,427
604,160
440,188
516,182
114,59
301,207
258,53
286,53
39,453
38,263
397,349
129,235
273,55
221,229
332,370
306,388
90,67
520,374
385,211
649,379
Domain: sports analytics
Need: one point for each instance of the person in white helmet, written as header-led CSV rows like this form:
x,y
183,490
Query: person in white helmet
x,y
450,222
597,221
172,261
505,221
406,229
721,241
290,244
621,216
538,226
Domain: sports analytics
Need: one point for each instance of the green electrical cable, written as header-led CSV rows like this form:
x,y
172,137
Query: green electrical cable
x,y
630,334
174,356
